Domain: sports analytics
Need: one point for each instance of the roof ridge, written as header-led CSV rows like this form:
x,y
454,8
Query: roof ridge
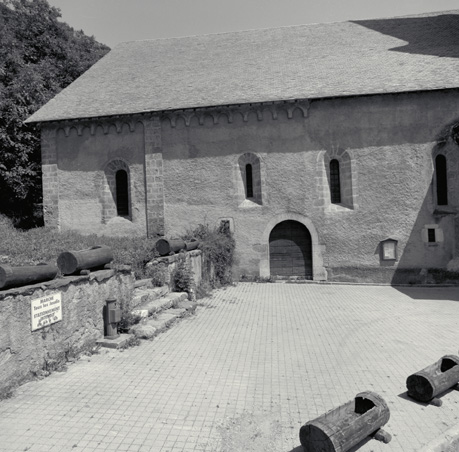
x,y
351,58
249,30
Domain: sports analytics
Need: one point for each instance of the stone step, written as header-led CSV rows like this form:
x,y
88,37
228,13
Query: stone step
x,y
148,328
157,314
190,306
143,295
146,283
151,305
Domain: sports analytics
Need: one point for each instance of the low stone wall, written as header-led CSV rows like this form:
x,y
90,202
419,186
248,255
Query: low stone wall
x,y
168,266
25,353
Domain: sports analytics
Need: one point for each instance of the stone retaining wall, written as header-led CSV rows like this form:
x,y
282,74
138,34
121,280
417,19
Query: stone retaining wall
x,y
25,353
169,265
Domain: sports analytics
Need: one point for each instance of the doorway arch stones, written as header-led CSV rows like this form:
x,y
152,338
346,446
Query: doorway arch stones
x,y
319,273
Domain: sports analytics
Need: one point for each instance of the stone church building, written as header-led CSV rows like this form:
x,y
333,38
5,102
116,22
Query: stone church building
x,y
331,150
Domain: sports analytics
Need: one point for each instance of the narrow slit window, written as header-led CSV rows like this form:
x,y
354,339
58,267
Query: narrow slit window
x,y
335,185
122,193
431,235
442,180
249,180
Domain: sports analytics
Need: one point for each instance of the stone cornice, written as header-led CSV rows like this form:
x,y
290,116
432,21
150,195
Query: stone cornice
x,y
217,114
229,112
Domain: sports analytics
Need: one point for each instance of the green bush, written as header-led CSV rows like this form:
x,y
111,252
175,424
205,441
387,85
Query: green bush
x,y
158,274
183,276
217,246
127,319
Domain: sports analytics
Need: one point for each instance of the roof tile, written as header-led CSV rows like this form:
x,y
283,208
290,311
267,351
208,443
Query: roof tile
x,y
309,61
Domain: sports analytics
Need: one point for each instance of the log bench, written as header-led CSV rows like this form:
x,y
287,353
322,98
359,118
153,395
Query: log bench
x,y
431,381
342,428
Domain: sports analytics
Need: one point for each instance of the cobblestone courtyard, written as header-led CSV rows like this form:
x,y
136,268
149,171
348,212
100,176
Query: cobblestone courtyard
x,y
254,364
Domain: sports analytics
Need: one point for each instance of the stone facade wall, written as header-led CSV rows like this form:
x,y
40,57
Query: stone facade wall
x,y
385,145
88,157
25,353
188,167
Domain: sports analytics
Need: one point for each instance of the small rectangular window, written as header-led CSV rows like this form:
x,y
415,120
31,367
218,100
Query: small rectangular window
x,y
431,235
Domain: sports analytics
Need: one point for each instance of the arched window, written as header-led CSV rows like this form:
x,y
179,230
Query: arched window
x,y
122,193
249,181
335,185
442,180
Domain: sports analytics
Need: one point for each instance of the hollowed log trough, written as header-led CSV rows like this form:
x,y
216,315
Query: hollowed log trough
x,y
346,426
435,379
70,262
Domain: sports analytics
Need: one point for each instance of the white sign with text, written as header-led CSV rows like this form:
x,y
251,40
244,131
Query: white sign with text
x,y
46,310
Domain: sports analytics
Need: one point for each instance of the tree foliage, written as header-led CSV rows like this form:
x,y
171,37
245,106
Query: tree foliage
x,y
39,56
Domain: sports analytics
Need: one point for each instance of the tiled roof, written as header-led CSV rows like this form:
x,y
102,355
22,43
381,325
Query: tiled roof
x,y
309,61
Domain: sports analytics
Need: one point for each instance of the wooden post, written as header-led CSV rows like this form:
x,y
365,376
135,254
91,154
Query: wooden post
x,y
165,247
20,276
192,244
70,262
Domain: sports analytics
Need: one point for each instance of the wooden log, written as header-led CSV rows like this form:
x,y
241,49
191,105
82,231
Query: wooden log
x,y
426,384
20,276
342,428
192,244
70,262
165,247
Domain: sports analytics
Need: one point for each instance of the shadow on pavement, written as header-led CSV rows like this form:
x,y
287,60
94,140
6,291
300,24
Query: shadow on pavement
x,y
430,293
352,449
362,443
404,395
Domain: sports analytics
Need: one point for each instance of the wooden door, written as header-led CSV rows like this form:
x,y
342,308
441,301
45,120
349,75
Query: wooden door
x,y
290,250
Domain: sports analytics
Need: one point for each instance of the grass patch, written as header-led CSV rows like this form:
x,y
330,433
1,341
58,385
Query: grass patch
x,y
33,246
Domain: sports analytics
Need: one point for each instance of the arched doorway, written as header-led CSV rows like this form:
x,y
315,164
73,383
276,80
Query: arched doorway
x,y
290,250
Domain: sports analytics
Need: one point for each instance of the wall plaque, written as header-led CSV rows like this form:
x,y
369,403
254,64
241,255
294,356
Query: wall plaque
x,y
388,249
46,310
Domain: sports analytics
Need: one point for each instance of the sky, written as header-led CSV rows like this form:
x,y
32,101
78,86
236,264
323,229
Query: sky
x,y
115,21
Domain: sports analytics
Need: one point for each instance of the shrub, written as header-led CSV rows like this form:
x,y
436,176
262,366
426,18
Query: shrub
x,y
127,320
217,245
183,276
158,274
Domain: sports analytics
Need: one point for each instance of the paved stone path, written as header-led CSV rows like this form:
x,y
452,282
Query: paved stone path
x,y
254,364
